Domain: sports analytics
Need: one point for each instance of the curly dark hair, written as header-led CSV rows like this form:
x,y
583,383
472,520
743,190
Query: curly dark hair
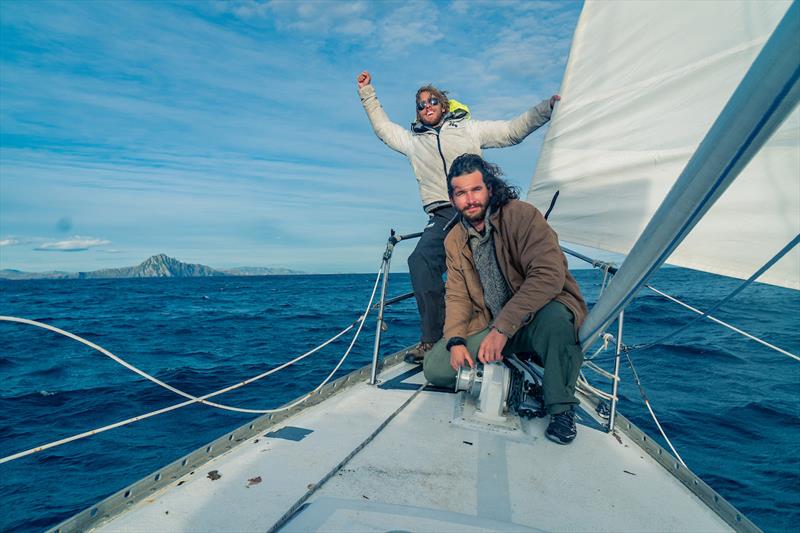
x,y
500,192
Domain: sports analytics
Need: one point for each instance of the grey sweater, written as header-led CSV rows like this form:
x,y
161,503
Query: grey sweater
x,y
495,289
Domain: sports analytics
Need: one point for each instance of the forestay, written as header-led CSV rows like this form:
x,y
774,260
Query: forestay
x,y
643,84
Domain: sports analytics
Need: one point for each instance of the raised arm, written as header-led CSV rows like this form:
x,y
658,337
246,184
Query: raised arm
x,y
395,136
501,133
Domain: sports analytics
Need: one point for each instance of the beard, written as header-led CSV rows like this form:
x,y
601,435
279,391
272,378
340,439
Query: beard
x,y
474,216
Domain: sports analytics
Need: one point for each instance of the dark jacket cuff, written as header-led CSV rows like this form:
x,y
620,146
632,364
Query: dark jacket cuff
x,y
456,341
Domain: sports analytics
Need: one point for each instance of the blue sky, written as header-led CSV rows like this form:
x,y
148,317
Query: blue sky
x,y
231,133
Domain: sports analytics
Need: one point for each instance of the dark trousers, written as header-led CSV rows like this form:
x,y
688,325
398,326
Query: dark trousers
x,y
551,335
426,265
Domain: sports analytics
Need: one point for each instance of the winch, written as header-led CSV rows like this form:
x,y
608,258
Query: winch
x,y
500,387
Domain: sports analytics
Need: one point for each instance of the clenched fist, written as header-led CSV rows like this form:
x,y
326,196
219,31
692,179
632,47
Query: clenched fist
x,y
363,79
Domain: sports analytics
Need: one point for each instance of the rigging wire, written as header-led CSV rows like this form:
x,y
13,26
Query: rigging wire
x,y
720,303
201,399
584,383
725,324
608,268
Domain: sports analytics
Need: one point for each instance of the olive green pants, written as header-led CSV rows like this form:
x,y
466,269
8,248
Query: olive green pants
x,y
551,335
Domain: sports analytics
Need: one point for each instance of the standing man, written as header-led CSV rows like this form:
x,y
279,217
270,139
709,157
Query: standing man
x,y
508,290
441,133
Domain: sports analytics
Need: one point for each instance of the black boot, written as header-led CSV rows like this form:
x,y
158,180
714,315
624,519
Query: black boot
x,y
562,427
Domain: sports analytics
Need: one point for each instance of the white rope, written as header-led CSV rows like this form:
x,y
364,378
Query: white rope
x,y
336,368
720,322
585,387
647,404
170,387
663,434
605,279
603,372
201,399
607,338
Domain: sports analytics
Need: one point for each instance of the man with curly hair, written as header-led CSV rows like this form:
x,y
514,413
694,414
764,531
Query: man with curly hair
x,y
508,291
442,131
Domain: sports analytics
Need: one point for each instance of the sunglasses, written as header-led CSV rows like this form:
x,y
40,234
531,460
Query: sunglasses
x,y
433,101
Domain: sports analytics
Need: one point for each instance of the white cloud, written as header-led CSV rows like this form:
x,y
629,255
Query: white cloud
x,y
75,244
320,18
409,26
8,242
246,9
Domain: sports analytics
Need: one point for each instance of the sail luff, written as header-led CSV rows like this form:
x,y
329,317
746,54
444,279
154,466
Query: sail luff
x,y
768,93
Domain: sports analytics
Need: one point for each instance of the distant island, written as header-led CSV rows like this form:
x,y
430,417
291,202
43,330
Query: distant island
x,y
158,266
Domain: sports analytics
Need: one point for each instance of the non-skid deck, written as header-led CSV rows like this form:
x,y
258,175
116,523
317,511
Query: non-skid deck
x,y
421,471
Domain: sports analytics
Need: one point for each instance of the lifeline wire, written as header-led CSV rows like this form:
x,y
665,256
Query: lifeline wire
x,y
115,425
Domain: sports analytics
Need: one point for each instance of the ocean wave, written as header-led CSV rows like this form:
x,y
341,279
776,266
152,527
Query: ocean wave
x,y
766,414
725,483
708,351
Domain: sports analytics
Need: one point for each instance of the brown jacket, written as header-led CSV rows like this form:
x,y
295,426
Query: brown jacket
x,y
534,266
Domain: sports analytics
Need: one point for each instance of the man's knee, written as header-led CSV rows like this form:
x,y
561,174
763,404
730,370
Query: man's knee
x,y
436,367
556,321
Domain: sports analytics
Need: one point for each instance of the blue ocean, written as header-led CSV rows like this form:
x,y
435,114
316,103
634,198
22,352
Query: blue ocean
x,y
729,405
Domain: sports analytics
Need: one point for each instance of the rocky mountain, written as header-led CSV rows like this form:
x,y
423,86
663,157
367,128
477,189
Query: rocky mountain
x,y
158,266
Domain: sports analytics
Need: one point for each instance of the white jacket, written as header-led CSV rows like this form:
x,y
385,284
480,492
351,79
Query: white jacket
x,y
431,153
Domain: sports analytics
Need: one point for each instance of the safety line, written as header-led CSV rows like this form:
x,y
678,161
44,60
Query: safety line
x,y
583,384
647,404
160,383
201,399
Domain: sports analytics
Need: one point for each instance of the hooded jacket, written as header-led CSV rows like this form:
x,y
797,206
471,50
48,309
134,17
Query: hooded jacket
x,y
431,153
534,267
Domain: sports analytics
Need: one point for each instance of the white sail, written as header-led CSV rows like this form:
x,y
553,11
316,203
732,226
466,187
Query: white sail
x,y
635,107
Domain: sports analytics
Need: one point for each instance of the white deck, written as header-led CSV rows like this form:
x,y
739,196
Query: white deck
x,y
422,472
